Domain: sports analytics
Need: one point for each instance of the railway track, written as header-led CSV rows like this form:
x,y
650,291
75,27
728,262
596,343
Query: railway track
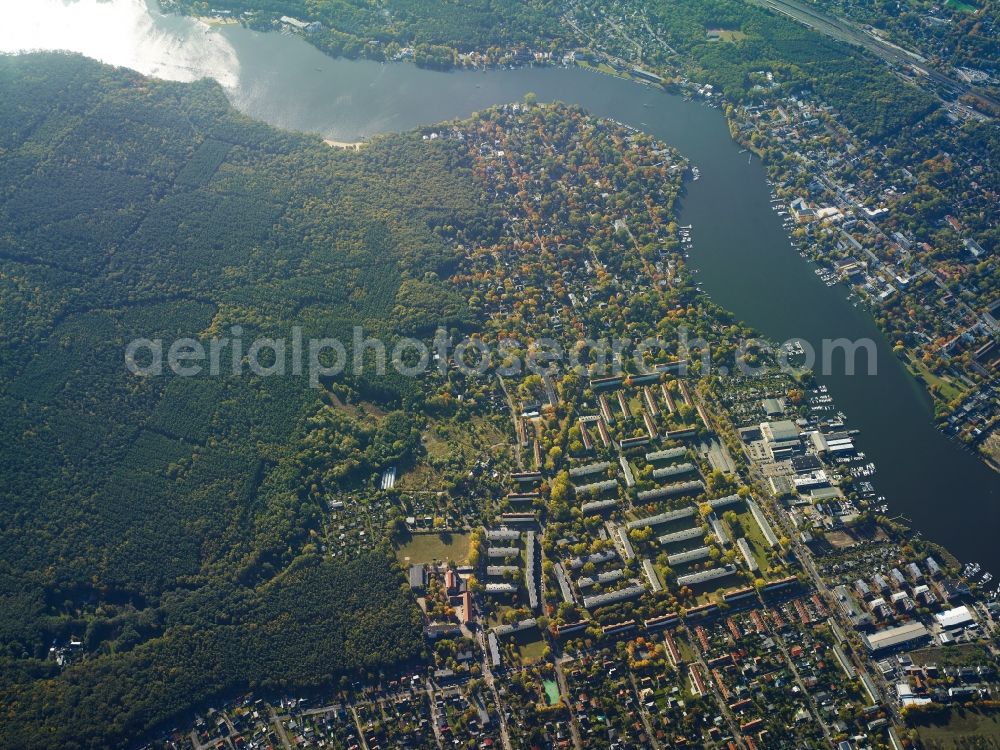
x,y
849,32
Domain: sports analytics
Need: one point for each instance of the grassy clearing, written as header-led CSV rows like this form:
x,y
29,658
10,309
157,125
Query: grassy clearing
x,y
960,6
365,411
422,478
725,35
711,591
468,441
959,655
965,728
427,548
756,539
446,442
946,388
840,539
530,648
600,68
688,654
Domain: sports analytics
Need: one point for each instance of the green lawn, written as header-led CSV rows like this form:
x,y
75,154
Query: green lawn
x,y
426,548
946,387
688,654
960,6
530,647
756,539
551,691
600,67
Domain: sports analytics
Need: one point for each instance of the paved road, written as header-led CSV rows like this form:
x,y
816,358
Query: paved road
x,y
731,721
361,729
564,691
279,727
434,716
514,418
643,713
491,684
813,708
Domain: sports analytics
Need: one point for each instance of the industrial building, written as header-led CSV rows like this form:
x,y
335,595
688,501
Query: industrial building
x,y
781,438
959,617
891,638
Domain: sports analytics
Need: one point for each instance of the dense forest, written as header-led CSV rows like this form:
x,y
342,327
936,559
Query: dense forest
x,y
169,524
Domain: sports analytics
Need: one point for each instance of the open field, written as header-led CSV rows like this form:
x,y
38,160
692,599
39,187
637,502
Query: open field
x,y
945,387
530,647
839,539
965,728
426,548
475,439
991,448
446,443
421,478
756,539
726,35
959,655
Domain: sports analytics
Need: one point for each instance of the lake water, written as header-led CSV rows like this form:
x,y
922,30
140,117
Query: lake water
x,y
741,251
